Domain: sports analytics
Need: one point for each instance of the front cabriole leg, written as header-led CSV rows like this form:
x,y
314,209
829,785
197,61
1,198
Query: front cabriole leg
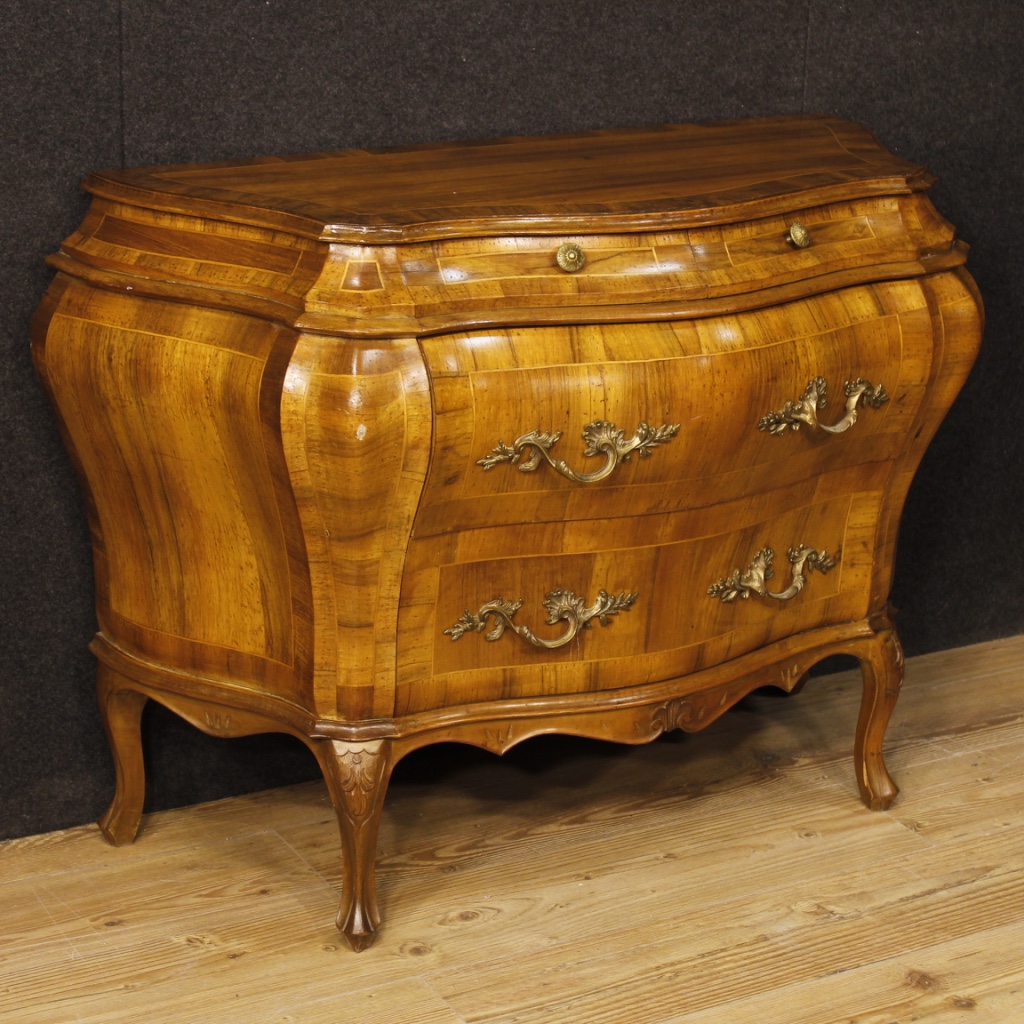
x,y
357,776
121,708
882,669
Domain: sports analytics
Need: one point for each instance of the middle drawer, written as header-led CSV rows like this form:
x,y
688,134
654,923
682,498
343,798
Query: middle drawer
x,y
674,415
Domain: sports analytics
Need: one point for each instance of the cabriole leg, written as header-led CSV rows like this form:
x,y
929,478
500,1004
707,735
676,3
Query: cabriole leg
x,y
882,670
357,777
121,708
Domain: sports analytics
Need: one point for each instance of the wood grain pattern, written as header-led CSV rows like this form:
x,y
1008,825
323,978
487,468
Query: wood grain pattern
x,y
429,286
278,379
667,174
710,376
356,420
164,407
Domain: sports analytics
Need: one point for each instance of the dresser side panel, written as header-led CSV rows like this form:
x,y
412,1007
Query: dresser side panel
x,y
199,557
951,323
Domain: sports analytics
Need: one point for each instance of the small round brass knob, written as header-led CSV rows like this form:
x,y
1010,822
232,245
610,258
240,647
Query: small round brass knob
x,y
798,235
570,257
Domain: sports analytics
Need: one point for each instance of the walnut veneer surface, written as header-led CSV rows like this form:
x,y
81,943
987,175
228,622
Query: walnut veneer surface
x,y
590,434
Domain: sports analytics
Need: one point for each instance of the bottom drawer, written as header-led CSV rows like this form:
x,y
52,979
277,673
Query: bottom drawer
x,y
679,595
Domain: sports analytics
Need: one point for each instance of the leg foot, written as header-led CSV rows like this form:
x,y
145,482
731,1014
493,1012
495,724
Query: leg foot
x,y
882,669
121,708
357,777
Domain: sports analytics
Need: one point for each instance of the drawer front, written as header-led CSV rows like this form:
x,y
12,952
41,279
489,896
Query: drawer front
x,y
690,413
700,263
500,279
472,603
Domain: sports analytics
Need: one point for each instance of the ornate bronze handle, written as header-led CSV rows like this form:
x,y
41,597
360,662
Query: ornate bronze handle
x,y
600,436
754,579
561,604
805,409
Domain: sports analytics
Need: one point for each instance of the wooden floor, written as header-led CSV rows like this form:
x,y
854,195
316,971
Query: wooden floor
x,y
730,877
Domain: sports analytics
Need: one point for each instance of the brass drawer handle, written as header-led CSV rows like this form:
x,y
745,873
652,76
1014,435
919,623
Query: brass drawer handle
x,y
561,605
798,235
600,436
742,584
570,257
805,409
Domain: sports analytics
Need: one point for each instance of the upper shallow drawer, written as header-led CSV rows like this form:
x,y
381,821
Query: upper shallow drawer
x,y
574,277
730,406
669,221
426,287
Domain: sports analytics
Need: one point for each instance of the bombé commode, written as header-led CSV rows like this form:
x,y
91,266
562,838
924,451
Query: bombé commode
x,y
589,434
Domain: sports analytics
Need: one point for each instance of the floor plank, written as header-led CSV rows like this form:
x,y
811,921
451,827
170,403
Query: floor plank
x,y
731,875
979,978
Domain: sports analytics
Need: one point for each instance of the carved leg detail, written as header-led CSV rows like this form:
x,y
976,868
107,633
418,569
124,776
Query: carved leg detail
x,y
121,708
882,670
357,776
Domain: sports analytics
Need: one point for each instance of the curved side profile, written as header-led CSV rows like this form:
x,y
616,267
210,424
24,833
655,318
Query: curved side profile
x,y
282,384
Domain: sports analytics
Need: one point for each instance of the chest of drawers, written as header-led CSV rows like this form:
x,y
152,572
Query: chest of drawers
x,y
590,434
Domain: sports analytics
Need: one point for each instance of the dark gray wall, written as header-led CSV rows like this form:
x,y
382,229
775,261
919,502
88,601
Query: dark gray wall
x,y
100,83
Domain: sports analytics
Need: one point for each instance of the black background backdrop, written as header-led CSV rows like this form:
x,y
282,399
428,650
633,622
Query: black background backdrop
x,y
107,83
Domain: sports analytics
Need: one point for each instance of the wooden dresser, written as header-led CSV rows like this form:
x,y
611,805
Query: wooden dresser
x,y
589,434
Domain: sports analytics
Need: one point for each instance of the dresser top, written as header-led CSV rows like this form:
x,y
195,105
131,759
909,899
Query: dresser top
x,y
633,179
